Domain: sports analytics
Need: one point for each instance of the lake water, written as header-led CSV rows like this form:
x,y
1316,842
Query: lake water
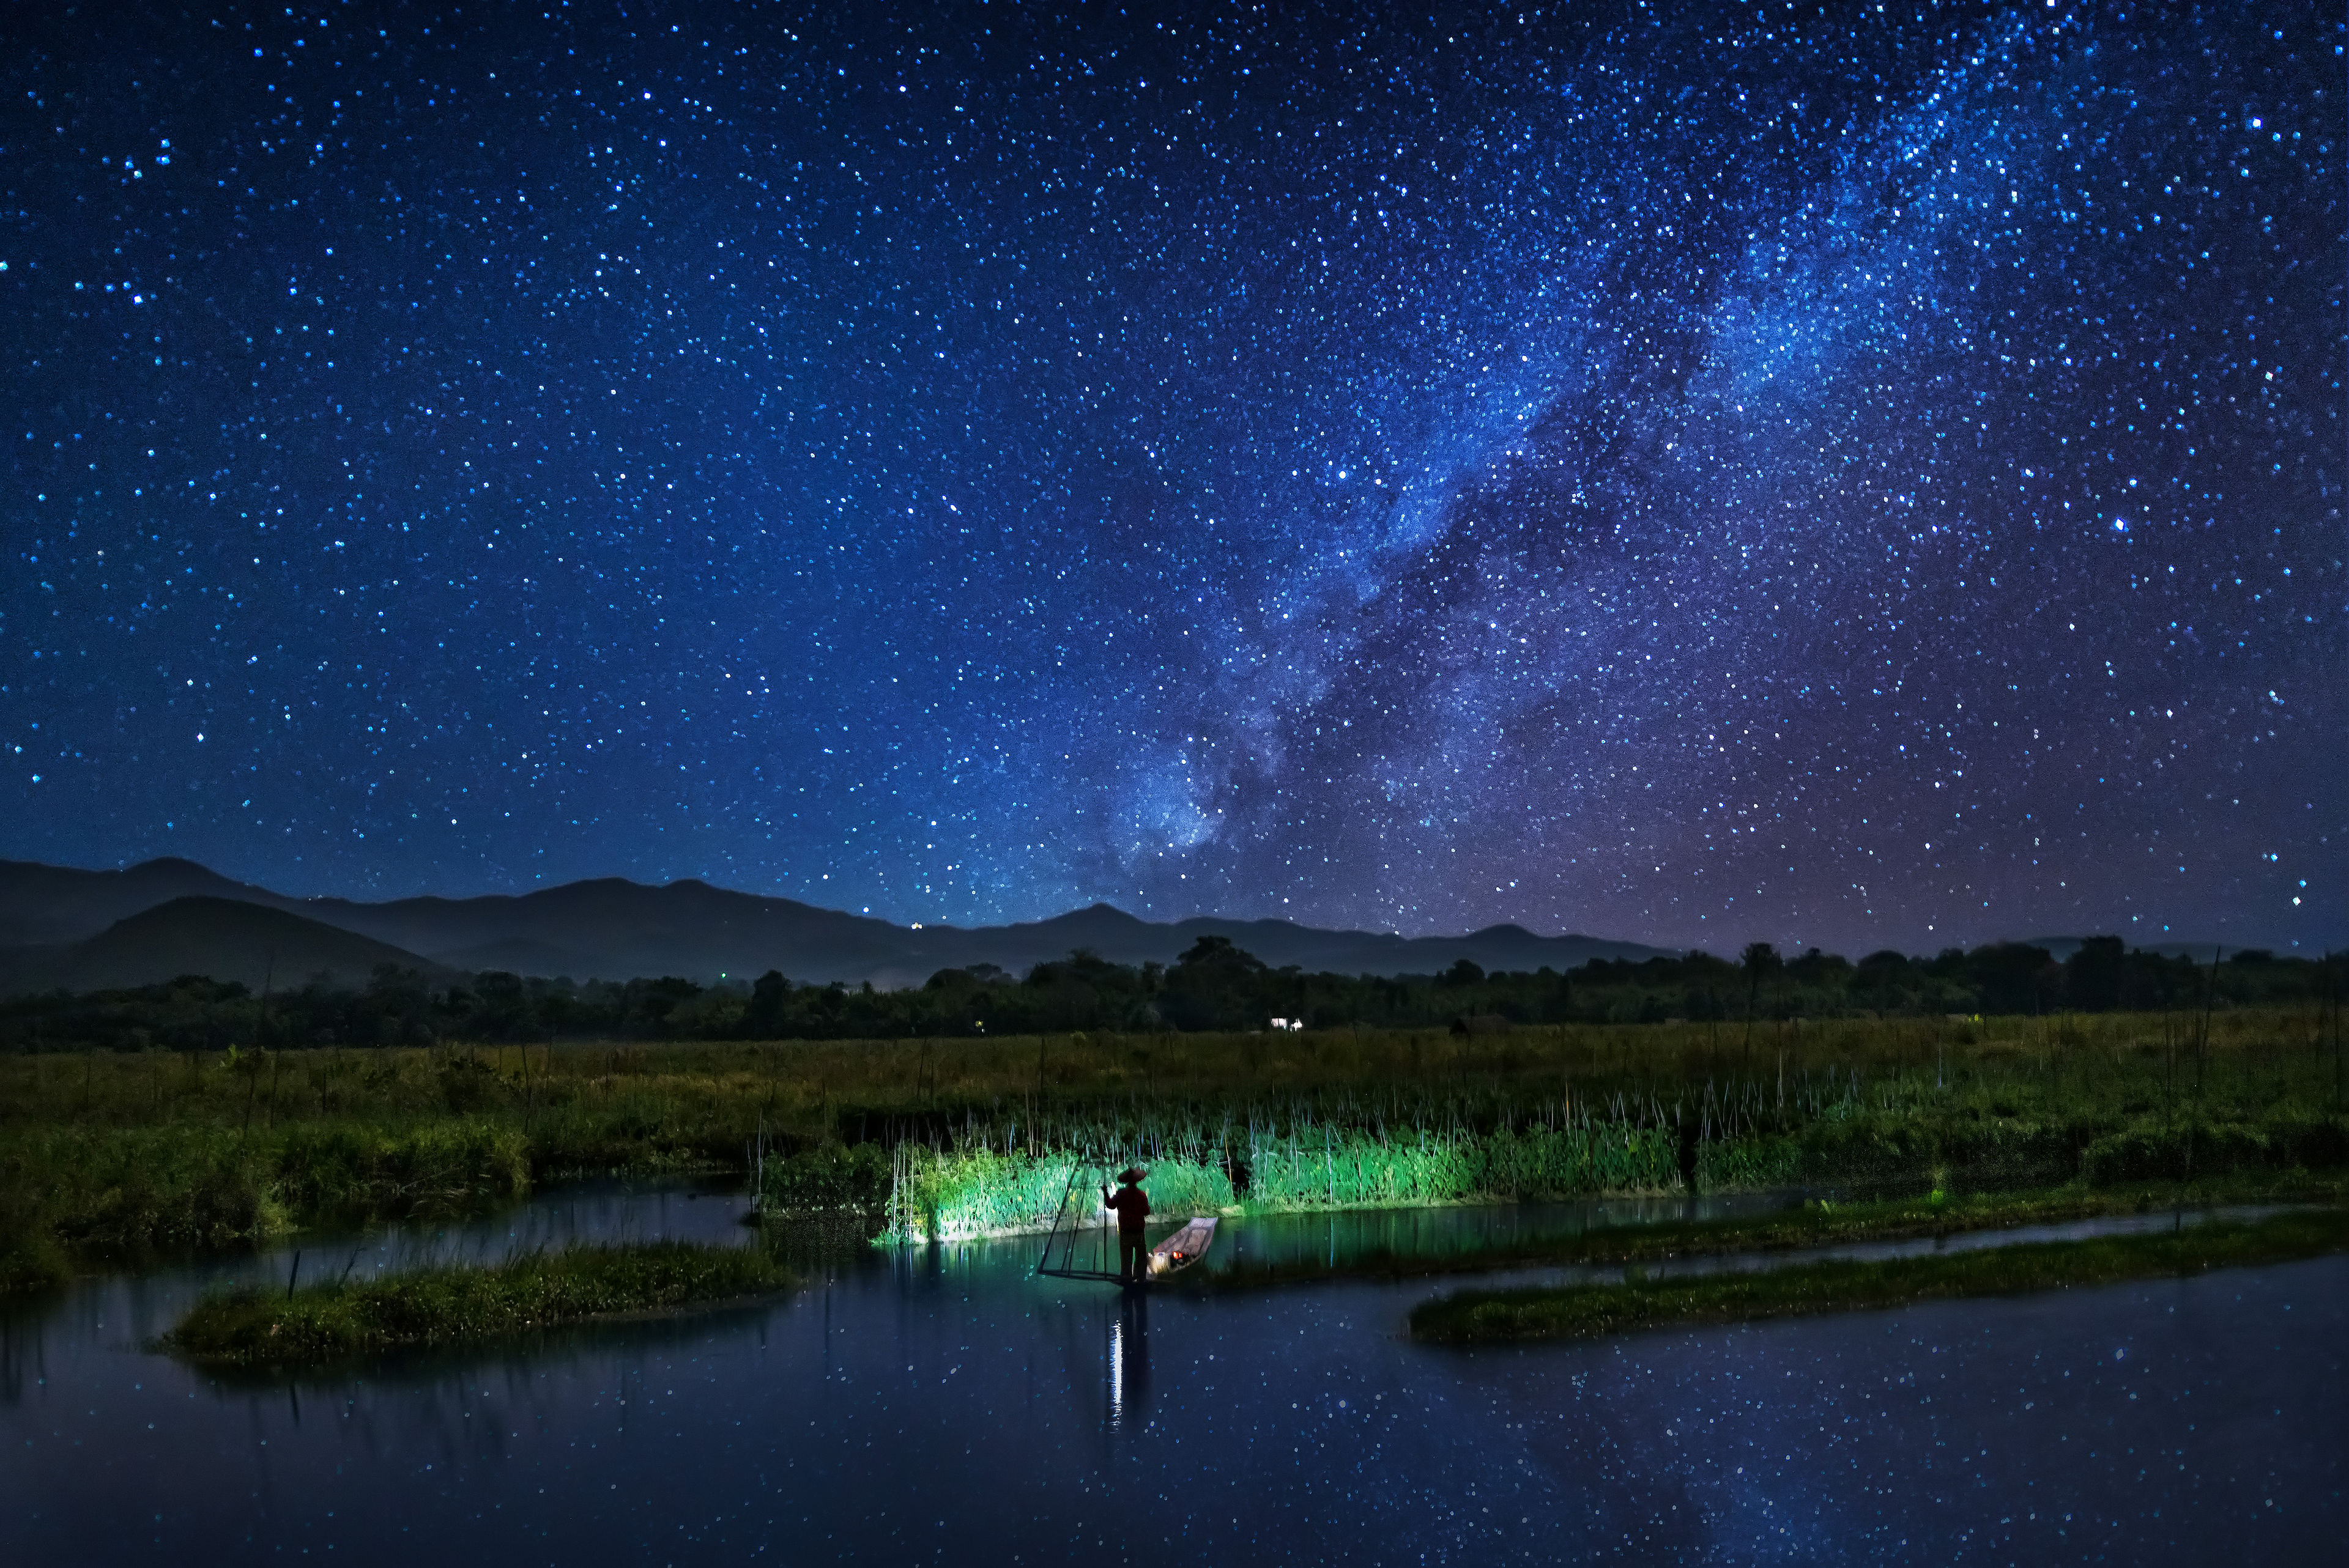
x,y
945,1407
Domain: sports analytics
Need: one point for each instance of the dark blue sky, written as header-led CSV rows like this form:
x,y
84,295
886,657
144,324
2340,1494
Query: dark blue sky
x,y
1855,475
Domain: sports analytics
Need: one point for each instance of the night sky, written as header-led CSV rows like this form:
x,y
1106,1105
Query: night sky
x,y
1860,475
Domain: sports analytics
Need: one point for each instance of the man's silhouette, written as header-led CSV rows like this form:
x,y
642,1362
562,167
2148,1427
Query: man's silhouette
x,y
1133,1206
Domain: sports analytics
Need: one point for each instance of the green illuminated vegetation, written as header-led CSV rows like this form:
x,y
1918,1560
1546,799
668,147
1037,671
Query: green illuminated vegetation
x,y
467,1304
1473,1318
1305,1163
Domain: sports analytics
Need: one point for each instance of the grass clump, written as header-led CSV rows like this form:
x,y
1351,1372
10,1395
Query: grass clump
x,y
460,1304
1583,1312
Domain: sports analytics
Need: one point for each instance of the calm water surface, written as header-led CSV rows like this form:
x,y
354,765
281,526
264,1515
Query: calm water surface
x,y
945,1407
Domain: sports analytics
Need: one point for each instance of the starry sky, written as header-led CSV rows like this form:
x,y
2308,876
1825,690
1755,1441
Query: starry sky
x,y
1856,475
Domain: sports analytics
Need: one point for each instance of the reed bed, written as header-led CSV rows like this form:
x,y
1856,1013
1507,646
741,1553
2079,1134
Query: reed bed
x,y
962,1193
972,1189
209,1188
1346,1148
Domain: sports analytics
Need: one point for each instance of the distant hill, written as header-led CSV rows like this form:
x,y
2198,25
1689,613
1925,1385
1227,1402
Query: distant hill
x,y
616,930
51,905
226,939
1123,939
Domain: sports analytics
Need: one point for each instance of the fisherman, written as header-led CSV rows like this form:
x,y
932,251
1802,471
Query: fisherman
x,y
1133,1206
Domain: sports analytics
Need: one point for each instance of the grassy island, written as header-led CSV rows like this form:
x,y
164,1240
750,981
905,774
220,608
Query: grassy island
x,y
467,1304
1582,1312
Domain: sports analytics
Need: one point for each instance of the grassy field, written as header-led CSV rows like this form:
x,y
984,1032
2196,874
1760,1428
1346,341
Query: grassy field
x,y
1483,1318
104,1154
467,1304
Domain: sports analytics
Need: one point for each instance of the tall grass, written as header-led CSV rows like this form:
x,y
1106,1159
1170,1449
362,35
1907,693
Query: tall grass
x,y
973,1190
958,1194
118,1188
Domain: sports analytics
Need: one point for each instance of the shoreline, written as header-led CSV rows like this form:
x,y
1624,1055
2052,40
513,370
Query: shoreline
x,y
1578,1313
1811,1225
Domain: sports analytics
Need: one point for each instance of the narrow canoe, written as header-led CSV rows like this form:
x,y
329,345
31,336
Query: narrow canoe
x,y
1186,1246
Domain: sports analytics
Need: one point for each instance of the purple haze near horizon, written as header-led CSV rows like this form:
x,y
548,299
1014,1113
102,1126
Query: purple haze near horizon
x,y
1862,477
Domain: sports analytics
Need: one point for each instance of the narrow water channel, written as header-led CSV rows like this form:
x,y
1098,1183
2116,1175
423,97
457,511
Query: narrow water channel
x,y
945,1406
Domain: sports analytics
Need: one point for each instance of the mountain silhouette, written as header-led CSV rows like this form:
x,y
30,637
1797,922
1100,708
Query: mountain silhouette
x,y
613,929
49,905
223,938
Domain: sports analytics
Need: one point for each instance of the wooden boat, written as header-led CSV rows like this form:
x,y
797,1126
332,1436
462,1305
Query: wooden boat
x,y
1186,1246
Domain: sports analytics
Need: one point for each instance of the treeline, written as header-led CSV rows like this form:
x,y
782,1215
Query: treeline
x,y
1214,986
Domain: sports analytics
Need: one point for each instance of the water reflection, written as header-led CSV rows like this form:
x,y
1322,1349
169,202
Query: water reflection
x,y
1127,1361
948,1405
127,1313
1348,1235
20,1349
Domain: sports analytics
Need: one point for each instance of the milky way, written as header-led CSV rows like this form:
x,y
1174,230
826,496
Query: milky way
x,y
1862,475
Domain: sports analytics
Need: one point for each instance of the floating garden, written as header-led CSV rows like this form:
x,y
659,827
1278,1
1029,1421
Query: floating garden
x,y
1582,1312
469,1304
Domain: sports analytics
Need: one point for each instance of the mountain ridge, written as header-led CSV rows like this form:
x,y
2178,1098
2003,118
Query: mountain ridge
x,y
614,929
224,939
